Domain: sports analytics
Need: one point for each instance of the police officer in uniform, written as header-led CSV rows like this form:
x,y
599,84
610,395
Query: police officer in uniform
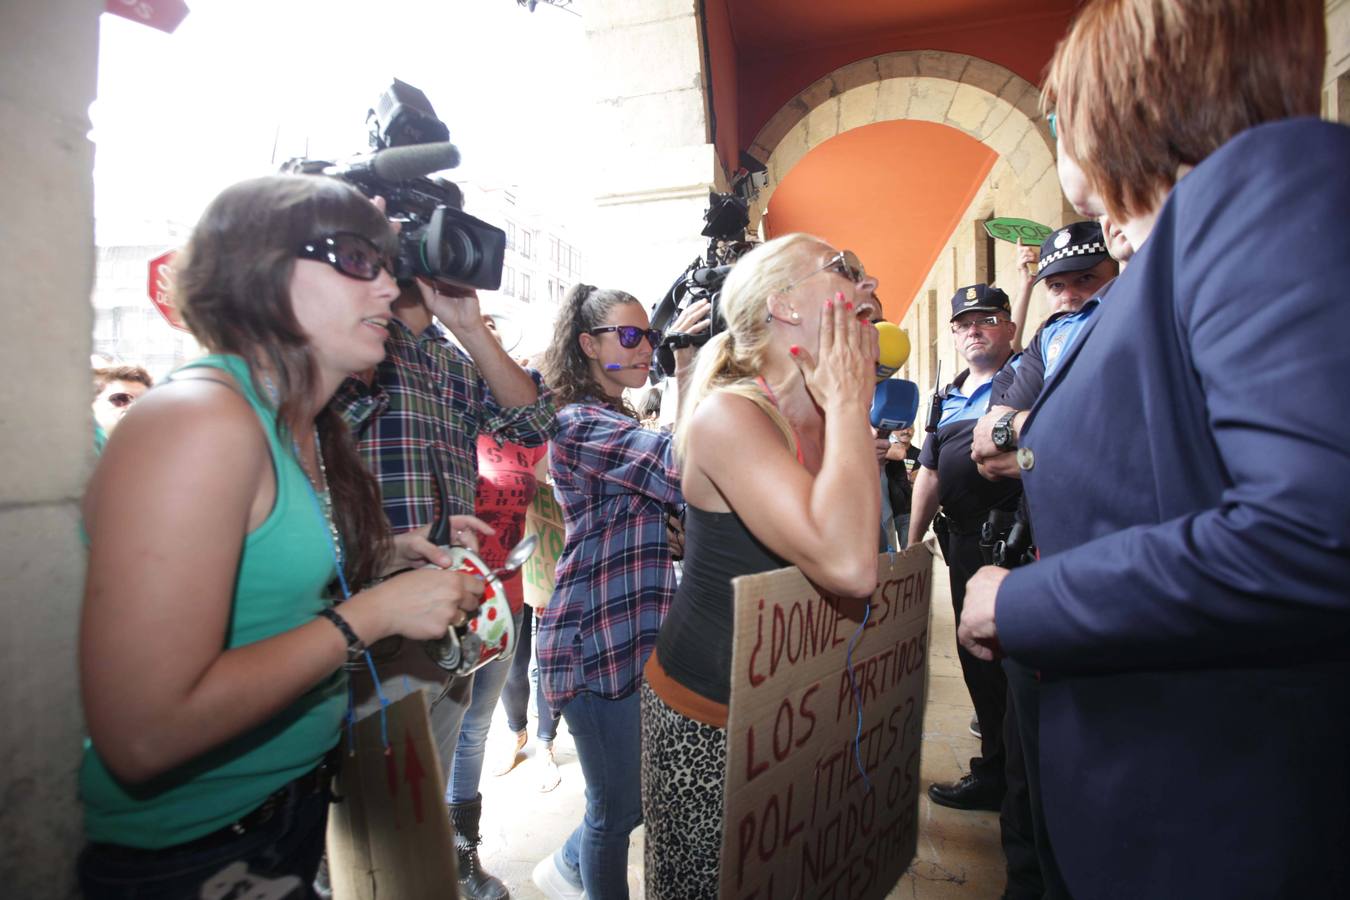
x,y
948,478
1076,268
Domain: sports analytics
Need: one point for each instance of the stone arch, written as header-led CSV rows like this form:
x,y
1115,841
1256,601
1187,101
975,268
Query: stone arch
x,y
979,98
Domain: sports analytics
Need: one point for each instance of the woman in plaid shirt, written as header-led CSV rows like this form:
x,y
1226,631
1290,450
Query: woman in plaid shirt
x,y
616,482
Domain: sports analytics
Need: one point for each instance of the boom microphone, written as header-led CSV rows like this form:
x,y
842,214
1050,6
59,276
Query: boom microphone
x,y
401,163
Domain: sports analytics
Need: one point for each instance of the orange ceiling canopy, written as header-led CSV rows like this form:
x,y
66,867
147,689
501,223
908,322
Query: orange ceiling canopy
x,y
892,192
778,47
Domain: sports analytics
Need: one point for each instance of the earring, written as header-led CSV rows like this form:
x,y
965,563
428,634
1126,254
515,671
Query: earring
x,y
795,317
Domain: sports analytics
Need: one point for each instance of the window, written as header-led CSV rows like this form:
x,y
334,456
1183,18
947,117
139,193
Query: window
x,y
525,287
525,242
508,280
510,235
553,251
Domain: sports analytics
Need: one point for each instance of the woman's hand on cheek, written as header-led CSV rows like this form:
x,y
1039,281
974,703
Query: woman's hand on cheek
x,y
842,370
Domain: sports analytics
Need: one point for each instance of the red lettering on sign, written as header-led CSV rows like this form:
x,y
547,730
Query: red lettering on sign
x,y
413,773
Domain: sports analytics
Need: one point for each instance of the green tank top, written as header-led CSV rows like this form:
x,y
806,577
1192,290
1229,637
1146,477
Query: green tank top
x,y
285,565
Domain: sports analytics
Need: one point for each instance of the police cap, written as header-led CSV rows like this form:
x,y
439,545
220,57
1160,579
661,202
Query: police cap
x,y
1073,248
979,297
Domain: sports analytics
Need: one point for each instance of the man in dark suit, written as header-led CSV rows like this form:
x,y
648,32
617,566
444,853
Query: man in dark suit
x,y
1190,614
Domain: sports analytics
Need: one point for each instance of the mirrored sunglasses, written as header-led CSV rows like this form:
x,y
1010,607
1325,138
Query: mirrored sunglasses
x,y
630,335
354,255
845,263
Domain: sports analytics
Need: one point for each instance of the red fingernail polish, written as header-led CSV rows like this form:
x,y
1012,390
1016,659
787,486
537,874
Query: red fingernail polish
x,y
848,305
829,304
794,349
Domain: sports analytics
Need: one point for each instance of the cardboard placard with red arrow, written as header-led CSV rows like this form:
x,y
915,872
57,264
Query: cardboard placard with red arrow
x,y
390,835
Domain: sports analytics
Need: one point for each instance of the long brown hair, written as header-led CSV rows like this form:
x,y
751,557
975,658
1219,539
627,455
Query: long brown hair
x,y
566,369
232,286
1141,87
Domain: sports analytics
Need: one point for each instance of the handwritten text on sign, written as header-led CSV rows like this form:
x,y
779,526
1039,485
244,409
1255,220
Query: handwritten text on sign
x,y
801,821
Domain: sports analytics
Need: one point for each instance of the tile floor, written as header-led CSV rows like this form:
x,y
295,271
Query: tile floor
x,y
958,856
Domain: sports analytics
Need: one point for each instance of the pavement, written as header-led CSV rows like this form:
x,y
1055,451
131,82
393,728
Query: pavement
x,y
959,855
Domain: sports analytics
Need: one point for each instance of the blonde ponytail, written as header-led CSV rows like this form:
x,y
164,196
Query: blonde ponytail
x,y
730,361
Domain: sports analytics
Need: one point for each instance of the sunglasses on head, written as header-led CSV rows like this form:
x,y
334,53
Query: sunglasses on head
x,y
354,255
121,399
845,264
630,335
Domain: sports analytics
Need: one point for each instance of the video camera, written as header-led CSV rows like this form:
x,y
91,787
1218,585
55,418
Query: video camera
x,y
437,239
724,225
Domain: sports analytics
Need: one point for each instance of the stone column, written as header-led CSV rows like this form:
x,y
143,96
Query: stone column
x,y
1336,90
652,159
48,59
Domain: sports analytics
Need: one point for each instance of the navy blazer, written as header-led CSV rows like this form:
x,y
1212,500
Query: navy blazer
x,y
1190,493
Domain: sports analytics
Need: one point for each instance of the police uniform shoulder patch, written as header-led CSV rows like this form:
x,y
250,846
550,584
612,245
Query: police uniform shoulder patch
x,y
1056,345
1062,239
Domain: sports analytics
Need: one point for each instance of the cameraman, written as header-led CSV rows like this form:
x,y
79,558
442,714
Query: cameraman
x,y
425,405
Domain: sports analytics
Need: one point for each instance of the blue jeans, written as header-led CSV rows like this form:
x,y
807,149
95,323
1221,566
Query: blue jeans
x,y
466,767
284,852
524,673
608,741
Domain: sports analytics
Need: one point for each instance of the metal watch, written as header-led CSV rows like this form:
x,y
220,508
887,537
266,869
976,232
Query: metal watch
x,y
1004,437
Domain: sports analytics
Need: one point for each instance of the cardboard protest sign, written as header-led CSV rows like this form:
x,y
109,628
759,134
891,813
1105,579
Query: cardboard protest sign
x,y
801,820
390,835
1033,234
545,519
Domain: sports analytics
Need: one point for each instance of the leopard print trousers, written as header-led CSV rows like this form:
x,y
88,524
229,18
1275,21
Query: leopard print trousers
x,y
683,775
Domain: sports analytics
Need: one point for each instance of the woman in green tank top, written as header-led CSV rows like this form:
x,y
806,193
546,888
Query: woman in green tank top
x,y
226,502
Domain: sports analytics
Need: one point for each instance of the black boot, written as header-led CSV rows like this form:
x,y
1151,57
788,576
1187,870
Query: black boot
x,y
474,883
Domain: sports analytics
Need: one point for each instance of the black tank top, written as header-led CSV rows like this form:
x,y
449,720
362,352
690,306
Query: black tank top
x,y
694,647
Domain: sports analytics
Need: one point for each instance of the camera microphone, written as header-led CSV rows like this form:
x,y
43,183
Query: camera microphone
x,y
709,275
401,163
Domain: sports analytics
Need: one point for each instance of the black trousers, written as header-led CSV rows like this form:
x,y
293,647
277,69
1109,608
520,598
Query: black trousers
x,y
1032,870
985,680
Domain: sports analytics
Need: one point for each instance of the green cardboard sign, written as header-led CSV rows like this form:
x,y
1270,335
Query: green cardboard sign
x,y
1028,232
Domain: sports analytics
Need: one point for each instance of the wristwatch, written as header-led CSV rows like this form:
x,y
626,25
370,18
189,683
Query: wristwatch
x,y
1004,437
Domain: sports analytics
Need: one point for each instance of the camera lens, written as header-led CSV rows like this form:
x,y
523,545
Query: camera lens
x,y
458,254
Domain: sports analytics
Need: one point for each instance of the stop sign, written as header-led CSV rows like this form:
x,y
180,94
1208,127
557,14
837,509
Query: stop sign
x,y
160,283
166,15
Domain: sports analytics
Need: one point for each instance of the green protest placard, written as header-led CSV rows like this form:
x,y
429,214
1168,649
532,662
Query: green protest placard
x,y
545,519
1014,230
